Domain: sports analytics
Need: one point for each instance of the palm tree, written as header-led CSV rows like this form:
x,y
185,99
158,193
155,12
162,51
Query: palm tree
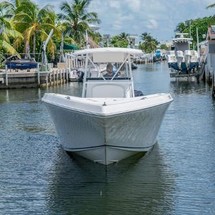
x,y
149,44
7,32
35,24
120,40
124,35
77,20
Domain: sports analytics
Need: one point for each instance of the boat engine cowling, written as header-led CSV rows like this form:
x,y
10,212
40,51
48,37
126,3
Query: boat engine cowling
x,y
180,58
187,57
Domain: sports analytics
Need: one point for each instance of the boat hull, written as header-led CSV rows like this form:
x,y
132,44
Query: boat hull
x,y
21,65
107,137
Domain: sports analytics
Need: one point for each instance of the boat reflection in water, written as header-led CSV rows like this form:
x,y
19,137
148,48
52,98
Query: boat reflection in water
x,y
187,87
136,185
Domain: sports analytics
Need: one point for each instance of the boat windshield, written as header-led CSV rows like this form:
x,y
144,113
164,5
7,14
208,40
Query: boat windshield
x,y
108,71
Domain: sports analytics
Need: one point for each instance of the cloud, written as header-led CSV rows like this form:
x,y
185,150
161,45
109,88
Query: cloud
x,y
152,24
114,4
157,17
134,5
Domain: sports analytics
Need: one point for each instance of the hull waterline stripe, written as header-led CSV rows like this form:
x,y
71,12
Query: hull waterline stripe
x,y
111,146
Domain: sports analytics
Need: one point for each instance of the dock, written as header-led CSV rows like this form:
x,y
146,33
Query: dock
x,y
29,78
68,71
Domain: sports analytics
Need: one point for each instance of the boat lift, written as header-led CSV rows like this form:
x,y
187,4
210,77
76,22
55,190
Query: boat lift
x,y
44,65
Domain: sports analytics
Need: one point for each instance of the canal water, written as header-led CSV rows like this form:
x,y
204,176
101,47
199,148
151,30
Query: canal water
x,y
177,177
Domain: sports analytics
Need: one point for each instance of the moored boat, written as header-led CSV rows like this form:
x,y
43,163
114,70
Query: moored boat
x,y
182,61
16,63
108,123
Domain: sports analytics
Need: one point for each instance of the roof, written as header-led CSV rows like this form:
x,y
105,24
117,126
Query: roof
x,y
181,38
70,46
108,50
109,54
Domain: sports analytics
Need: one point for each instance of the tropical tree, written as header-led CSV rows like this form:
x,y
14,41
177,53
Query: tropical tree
x,y
7,31
191,26
120,40
183,26
77,20
164,47
149,44
35,24
124,36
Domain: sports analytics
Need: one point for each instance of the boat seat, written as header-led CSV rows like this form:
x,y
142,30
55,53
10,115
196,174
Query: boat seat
x,y
99,89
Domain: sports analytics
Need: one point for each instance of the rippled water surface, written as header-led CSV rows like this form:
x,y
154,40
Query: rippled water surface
x,y
176,177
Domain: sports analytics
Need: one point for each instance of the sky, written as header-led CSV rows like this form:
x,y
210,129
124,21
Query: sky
x,y
159,18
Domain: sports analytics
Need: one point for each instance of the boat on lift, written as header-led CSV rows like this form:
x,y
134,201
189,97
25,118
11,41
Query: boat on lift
x,y
182,61
16,63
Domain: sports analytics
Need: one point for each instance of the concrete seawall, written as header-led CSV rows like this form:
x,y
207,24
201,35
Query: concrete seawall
x,y
32,78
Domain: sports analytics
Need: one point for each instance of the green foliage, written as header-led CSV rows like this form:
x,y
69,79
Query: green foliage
x,y
148,44
7,31
191,26
24,25
120,40
34,24
1,57
76,20
164,46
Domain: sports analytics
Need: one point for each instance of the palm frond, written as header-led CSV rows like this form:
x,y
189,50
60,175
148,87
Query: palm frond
x,y
210,6
8,47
